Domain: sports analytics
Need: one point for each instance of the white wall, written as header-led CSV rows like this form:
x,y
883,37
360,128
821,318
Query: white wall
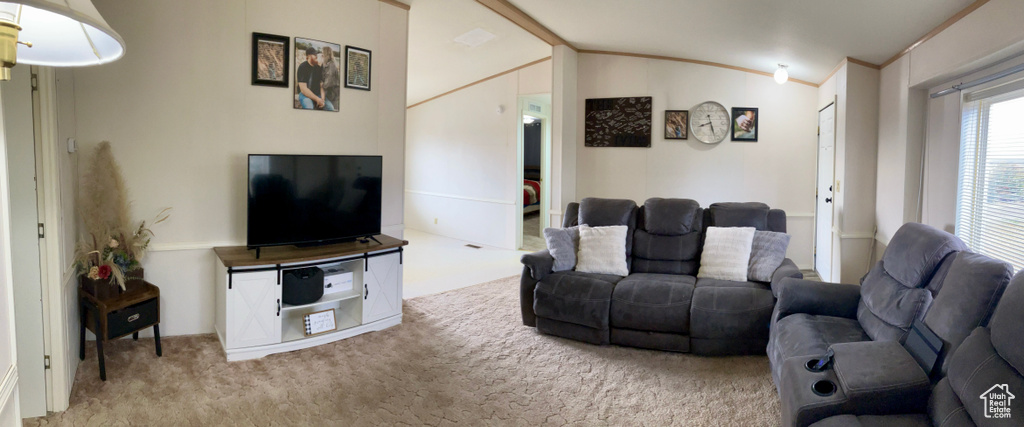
x,y
913,126
778,170
855,90
563,131
181,116
10,413
462,159
857,149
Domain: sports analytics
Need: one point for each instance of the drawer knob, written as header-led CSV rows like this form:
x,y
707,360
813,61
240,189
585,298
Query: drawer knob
x,y
133,317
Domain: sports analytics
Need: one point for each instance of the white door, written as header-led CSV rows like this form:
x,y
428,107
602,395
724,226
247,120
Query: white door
x,y
823,205
28,295
254,310
382,287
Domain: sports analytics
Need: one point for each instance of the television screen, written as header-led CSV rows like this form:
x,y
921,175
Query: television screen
x,y
299,200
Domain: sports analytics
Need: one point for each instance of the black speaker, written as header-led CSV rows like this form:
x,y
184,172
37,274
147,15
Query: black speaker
x,y
302,285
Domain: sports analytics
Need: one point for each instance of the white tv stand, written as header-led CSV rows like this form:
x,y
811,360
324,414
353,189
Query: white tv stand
x,y
252,322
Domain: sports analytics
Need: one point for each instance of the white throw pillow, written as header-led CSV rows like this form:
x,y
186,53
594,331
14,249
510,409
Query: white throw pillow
x,y
603,250
726,253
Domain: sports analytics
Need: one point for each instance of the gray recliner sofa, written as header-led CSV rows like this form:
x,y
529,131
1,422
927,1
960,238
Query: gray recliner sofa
x,y
811,316
985,369
874,373
660,304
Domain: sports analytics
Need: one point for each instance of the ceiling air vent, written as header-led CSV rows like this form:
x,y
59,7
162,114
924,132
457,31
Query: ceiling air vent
x,y
475,37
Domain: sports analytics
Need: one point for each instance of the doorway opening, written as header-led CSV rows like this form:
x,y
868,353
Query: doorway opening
x,y
823,212
534,159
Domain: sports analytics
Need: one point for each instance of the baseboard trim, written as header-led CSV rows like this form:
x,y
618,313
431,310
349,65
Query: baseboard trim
x,y
857,236
190,246
457,197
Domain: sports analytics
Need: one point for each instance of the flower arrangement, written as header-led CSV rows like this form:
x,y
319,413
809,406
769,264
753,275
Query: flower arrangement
x,y
111,246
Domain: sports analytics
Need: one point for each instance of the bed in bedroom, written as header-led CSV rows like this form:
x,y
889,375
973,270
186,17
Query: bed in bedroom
x,y
531,196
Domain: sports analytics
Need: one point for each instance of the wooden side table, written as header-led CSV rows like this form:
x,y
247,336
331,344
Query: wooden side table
x,y
116,317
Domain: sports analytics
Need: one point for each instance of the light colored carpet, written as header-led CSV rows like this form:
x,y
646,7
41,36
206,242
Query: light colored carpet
x,y
459,358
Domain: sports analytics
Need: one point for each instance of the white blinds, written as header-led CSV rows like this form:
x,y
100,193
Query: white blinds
x,y
990,199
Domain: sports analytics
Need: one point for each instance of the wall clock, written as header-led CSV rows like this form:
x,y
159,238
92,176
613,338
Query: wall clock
x,y
709,122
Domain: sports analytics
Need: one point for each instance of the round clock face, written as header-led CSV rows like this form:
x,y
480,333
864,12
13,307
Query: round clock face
x,y
709,122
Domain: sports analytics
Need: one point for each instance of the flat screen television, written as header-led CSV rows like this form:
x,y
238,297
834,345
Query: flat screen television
x,y
308,200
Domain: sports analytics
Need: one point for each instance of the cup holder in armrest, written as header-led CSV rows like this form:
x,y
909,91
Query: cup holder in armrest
x,y
811,363
823,388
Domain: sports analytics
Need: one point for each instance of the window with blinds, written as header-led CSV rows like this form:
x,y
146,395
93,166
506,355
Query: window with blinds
x,y
990,200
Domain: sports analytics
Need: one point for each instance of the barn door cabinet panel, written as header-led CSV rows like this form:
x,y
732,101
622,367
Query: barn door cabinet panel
x,y
252,321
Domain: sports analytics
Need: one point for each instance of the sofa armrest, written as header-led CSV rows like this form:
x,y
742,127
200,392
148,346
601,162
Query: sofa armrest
x,y
881,377
787,269
527,285
539,263
817,298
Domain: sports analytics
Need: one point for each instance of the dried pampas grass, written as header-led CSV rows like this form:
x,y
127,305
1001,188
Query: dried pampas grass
x,y
109,236
103,199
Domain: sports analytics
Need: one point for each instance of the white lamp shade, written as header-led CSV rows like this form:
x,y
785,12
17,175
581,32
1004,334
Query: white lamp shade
x,y
63,33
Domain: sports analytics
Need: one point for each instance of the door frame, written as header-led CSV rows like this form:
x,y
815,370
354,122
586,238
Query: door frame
x,y
831,227
545,162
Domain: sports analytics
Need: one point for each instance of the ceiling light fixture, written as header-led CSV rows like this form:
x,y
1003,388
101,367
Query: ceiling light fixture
x,y
781,75
55,33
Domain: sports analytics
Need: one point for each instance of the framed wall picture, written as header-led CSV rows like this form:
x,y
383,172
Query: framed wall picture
x,y
618,122
676,122
744,124
357,68
270,60
317,75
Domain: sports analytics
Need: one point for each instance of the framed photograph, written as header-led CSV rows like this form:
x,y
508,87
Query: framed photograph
x,y
676,122
617,122
317,75
744,124
270,60
357,68
320,322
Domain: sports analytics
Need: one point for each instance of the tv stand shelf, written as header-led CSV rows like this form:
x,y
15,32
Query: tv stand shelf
x,y
253,322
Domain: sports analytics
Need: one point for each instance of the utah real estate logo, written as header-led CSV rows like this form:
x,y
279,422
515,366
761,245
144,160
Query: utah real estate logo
x,y
997,401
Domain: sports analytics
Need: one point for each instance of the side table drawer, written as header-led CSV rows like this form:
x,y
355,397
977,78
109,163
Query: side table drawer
x,y
133,318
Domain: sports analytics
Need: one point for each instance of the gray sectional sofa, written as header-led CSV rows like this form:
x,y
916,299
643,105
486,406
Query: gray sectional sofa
x,y
912,345
985,366
661,304
925,276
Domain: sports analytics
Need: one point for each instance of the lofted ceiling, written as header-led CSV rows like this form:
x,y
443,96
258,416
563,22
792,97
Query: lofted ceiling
x,y
438,64
811,36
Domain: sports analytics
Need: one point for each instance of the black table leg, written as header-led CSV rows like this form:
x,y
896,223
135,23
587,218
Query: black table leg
x,y
135,336
81,342
99,347
156,333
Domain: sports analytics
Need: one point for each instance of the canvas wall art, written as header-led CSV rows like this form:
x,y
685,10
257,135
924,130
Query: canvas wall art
x,y
618,122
